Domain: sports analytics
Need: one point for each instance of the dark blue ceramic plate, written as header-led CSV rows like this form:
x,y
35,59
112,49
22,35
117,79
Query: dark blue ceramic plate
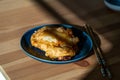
x,y
113,4
85,45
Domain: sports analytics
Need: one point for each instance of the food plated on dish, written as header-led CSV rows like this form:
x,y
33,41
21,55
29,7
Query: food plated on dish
x,y
56,43
59,43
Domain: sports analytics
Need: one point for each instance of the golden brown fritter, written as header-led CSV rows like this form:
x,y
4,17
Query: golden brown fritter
x,y
58,43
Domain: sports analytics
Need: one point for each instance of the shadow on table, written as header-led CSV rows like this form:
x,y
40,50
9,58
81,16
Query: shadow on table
x,y
109,26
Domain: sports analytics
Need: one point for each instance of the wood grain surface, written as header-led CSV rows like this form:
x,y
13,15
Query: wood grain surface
x,y
18,16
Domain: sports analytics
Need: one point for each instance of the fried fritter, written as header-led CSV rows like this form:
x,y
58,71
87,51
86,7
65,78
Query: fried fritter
x,y
58,43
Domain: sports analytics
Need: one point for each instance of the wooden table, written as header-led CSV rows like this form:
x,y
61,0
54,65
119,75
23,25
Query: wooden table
x,y
18,16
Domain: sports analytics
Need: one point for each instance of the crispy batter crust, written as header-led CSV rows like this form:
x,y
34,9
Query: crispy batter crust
x,y
58,43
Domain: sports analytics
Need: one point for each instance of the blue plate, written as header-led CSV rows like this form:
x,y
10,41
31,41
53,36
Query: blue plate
x,y
113,4
85,45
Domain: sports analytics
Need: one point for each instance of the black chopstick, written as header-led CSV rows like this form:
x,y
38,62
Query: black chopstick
x,y
98,52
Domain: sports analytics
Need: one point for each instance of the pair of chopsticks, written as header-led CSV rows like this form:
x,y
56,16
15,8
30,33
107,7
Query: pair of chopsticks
x,y
98,52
